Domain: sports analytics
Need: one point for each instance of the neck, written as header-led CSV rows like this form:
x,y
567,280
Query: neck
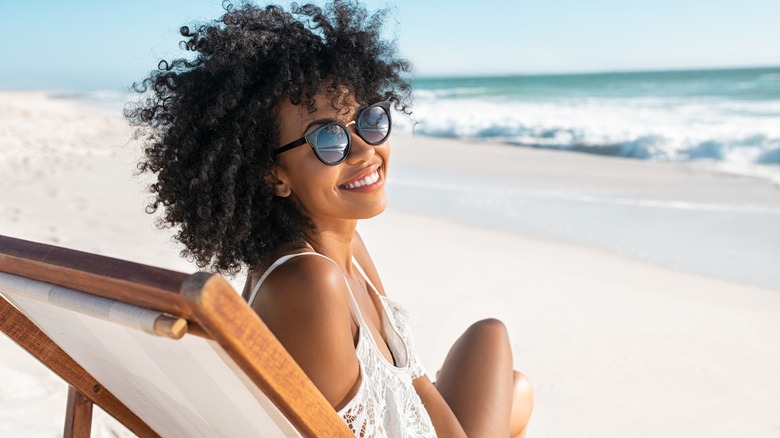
x,y
334,240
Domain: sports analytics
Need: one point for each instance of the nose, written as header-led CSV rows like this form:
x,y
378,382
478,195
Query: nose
x,y
359,151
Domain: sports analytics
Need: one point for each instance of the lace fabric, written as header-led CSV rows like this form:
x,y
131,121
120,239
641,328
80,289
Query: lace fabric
x,y
400,317
386,404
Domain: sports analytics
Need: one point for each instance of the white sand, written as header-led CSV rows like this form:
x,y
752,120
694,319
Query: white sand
x,y
614,346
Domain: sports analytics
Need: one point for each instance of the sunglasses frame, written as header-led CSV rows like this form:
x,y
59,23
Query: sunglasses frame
x,y
312,136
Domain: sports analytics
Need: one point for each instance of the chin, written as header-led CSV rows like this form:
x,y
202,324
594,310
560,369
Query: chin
x,y
374,211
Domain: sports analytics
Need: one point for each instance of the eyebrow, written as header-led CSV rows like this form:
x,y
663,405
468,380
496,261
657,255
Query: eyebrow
x,y
319,122
325,121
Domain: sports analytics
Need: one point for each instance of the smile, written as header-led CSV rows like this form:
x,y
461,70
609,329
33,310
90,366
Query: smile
x,y
372,180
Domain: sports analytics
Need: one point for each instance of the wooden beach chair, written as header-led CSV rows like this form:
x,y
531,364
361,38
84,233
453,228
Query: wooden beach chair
x,y
165,353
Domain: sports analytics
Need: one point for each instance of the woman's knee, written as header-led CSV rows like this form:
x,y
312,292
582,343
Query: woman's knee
x,y
490,328
488,339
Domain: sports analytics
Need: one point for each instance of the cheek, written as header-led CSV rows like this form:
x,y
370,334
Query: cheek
x,y
384,150
315,181
305,171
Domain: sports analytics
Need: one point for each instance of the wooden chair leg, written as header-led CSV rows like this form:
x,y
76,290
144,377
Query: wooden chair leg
x,y
78,416
22,331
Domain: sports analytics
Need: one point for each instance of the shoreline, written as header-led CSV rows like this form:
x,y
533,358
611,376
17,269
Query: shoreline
x,y
684,216
695,216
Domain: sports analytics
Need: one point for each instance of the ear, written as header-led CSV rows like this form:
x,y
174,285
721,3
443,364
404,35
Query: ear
x,y
276,181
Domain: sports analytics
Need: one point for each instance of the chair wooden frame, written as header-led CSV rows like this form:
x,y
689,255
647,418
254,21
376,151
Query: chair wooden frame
x,y
211,307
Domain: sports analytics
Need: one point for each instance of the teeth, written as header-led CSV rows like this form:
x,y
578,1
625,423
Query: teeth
x,y
370,179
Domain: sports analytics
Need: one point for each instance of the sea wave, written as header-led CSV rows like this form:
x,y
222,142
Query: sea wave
x,y
452,92
652,128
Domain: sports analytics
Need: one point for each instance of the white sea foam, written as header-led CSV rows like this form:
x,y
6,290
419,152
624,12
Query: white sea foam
x,y
742,133
731,117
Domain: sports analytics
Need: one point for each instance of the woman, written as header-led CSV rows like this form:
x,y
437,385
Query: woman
x,y
268,147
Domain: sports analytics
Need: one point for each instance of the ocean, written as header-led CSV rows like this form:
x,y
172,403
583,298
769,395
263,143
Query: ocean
x,y
729,117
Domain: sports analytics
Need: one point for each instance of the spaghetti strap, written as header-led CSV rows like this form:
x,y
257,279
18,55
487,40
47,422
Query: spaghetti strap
x,y
271,268
362,272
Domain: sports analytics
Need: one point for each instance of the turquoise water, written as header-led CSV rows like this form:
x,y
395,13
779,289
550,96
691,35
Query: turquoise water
x,y
730,117
741,84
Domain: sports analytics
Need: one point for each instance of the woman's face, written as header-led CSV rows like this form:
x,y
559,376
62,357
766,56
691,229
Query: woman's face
x,y
343,191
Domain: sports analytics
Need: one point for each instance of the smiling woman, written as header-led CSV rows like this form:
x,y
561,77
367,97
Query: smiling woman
x,y
226,135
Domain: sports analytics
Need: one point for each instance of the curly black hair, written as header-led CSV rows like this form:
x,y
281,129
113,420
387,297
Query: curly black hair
x,y
210,122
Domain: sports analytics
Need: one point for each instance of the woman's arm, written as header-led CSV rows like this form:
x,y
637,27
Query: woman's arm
x,y
444,420
305,304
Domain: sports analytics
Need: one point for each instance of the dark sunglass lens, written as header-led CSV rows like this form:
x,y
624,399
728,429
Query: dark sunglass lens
x,y
374,124
331,143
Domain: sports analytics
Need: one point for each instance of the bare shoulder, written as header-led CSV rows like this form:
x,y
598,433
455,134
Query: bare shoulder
x,y
305,292
305,303
315,277
362,256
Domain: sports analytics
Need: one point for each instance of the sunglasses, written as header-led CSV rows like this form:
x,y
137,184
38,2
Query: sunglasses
x,y
331,142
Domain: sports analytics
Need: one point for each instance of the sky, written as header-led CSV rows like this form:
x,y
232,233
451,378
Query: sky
x,y
91,45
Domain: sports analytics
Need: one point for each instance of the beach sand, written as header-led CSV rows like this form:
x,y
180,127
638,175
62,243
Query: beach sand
x,y
616,342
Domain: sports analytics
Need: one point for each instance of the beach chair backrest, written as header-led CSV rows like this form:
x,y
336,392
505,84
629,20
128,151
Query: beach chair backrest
x,y
183,353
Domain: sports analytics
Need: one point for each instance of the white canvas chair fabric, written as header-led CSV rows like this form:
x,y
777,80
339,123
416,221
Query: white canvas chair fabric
x,y
179,387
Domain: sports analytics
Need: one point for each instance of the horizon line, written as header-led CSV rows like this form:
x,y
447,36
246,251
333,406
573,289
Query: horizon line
x,y
446,76
591,72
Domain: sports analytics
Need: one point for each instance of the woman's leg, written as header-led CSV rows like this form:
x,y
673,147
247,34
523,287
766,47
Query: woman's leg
x,y
476,380
522,405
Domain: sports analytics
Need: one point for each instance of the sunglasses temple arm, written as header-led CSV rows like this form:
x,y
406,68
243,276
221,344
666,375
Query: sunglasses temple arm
x,y
287,147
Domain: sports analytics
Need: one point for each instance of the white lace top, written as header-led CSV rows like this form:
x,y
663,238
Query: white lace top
x,y
386,404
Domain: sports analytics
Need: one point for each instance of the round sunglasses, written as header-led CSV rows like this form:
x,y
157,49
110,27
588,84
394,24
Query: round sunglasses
x,y
331,142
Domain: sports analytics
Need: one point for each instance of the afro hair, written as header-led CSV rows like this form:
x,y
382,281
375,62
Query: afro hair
x,y
209,122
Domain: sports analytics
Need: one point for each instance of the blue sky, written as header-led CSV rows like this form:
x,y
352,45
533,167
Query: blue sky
x,y
83,44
